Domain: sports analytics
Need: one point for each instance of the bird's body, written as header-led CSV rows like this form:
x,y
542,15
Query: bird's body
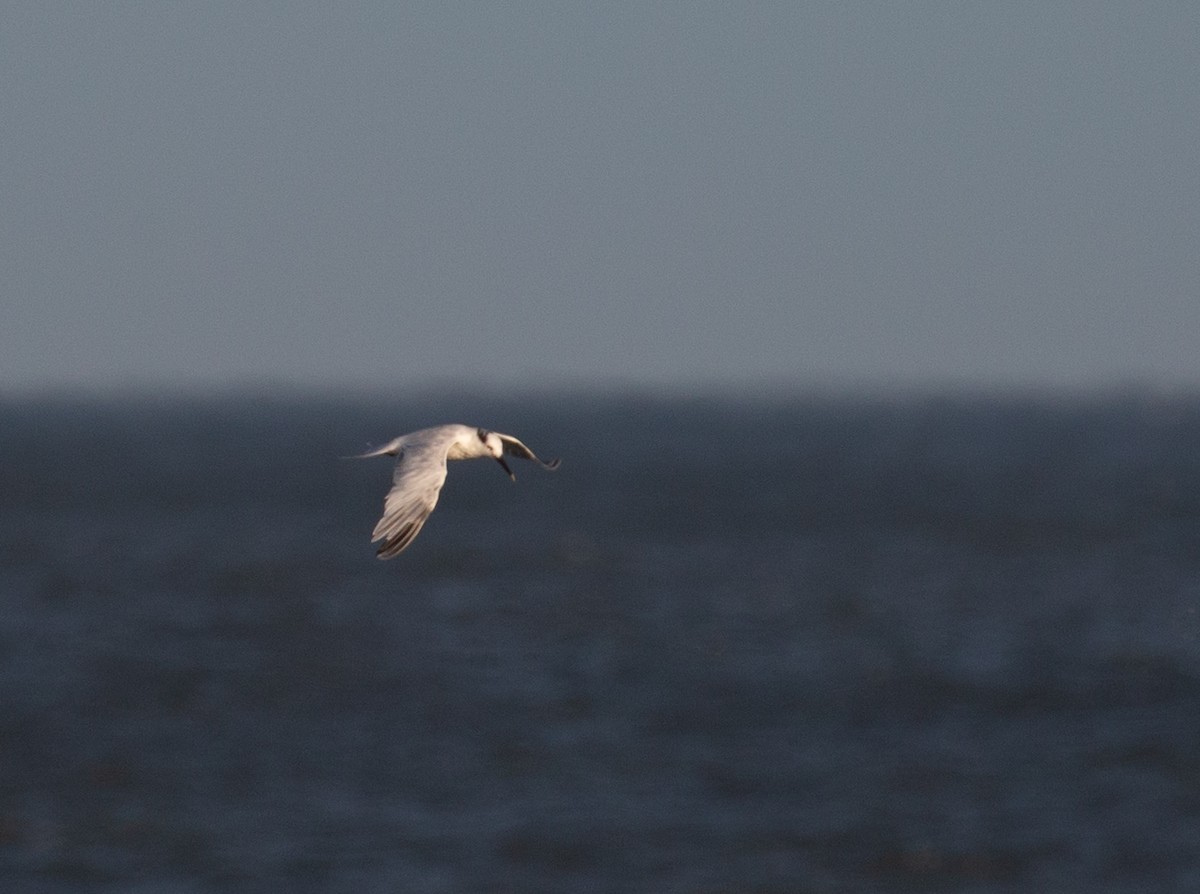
x,y
421,470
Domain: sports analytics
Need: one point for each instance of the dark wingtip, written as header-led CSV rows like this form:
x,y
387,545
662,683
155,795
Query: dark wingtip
x,y
551,465
399,541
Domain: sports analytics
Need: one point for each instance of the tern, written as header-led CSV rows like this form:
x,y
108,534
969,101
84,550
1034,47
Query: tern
x,y
421,471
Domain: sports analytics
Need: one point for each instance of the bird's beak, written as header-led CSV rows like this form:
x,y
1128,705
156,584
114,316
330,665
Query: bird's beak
x,y
500,459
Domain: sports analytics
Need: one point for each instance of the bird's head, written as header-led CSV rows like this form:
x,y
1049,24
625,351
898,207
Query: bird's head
x,y
495,448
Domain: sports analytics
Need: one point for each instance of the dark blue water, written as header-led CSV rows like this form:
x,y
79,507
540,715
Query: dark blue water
x,y
783,646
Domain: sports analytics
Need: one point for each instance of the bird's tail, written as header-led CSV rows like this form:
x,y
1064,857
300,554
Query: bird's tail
x,y
391,448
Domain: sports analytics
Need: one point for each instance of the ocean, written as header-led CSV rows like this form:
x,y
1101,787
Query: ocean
x,y
942,643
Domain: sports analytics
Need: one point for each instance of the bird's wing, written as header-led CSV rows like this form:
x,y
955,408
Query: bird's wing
x,y
513,447
417,481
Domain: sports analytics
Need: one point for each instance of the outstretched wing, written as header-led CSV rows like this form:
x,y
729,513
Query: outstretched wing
x,y
513,447
416,483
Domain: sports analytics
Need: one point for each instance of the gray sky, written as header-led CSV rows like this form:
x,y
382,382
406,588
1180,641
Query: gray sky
x,y
385,194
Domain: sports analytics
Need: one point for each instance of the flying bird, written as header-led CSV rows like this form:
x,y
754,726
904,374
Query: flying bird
x,y
421,470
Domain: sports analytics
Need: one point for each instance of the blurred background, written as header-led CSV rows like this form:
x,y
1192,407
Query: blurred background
x,y
665,195
865,334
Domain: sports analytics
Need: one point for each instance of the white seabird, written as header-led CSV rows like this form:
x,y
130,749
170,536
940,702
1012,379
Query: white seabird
x,y
421,470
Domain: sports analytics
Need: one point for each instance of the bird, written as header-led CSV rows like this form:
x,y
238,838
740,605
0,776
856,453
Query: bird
x,y
421,471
